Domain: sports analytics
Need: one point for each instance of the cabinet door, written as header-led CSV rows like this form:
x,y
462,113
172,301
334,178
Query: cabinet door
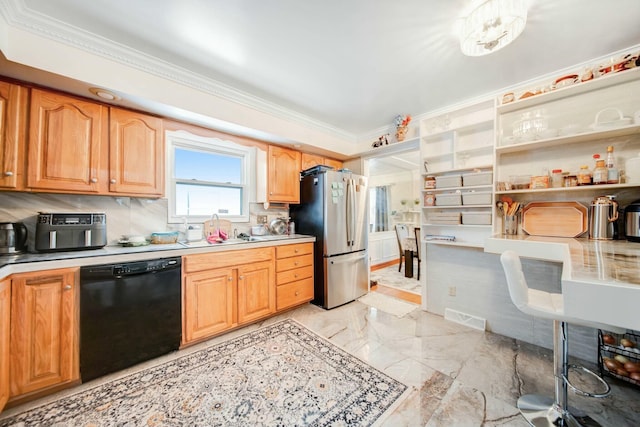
x,y
13,113
256,291
44,330
5,306
336,164
208,303
284,175
310,160
136,153
67,144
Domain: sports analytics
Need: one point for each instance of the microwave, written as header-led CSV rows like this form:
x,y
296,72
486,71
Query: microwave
x,y
70,231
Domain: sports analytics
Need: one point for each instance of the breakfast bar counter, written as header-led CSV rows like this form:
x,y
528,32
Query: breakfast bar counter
x,y
600,278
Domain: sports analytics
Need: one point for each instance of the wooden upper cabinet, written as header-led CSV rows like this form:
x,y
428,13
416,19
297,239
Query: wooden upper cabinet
x,y
5,316
136,153
67,144
44,330
336,164
310,160
13,121
283,175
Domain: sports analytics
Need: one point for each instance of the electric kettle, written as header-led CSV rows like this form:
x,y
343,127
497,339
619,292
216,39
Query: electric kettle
x,y
13,237
603,216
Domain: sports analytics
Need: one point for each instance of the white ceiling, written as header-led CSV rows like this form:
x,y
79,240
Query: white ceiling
x,y
352,65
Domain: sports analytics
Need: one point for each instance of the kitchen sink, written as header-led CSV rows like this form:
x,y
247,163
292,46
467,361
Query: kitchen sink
x,y
203,243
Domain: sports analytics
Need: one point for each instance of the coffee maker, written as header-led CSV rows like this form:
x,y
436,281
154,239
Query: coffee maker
x,y
13,237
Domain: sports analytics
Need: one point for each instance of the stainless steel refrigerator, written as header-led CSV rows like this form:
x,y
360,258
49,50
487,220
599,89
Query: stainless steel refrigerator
x,y
334,208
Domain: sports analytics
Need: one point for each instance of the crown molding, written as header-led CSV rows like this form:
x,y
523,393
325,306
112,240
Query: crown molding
x,y
17,14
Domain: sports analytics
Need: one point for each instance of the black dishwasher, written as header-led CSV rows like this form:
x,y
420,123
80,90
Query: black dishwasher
x,y
129,313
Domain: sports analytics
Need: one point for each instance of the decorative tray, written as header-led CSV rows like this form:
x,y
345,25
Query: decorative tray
x,y
555,219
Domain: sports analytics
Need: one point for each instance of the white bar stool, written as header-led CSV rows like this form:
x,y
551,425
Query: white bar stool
x,y
541,410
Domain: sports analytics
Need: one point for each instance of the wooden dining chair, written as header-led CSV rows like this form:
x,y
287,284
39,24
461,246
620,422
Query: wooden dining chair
x,y
402,232
416,254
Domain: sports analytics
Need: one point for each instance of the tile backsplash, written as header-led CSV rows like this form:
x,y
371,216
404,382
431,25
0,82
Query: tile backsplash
x,y
125,215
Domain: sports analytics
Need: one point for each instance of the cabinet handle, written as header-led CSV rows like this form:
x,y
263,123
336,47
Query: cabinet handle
x,y
295,263
113,181
94,180
67,287
230,278
295,276
8,173
271,193
297,293
240,277
296,251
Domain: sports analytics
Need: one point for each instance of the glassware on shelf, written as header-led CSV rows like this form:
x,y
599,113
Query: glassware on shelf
x,y
613,176
600,173
584,175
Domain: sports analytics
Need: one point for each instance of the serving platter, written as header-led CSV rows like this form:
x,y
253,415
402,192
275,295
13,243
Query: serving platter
x,y
555,219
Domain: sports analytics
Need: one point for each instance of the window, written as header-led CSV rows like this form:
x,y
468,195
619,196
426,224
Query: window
x,y
207,176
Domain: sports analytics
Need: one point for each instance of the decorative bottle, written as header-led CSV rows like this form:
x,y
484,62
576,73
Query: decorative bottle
x,y
613,176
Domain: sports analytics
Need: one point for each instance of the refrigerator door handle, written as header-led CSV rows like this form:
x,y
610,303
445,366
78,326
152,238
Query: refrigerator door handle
x,y
351,214
342,261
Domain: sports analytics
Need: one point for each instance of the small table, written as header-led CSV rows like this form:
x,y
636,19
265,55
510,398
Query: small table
x,y
409,245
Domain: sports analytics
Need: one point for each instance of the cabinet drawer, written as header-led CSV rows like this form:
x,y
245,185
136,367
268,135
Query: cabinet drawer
x,y
294,262
294,293
287,251
208,261
295,274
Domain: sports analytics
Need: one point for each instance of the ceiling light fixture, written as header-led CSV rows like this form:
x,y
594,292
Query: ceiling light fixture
x,y
104,94
492,25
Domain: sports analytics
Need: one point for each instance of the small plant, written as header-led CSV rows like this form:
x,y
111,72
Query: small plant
x,y
416,202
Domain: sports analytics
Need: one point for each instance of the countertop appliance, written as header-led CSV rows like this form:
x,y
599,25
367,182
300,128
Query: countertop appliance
x,y
632,221
129,313
334,208
13,237
603,217
70,231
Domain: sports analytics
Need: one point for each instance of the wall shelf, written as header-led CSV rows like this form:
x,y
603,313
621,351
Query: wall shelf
x,y
603,82
571,139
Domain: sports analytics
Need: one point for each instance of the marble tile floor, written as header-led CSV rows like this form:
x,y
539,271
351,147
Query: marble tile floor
x,y
459,376
391,277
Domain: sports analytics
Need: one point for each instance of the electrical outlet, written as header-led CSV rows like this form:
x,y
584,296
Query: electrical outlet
x,y
262,219
452,291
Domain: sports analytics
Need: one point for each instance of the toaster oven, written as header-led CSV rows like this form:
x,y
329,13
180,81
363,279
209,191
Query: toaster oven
x,y
70,231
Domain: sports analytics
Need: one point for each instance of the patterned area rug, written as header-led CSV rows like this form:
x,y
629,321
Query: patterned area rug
x,y
278,375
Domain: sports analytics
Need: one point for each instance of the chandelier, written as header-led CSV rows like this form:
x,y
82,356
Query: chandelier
x,y
492,25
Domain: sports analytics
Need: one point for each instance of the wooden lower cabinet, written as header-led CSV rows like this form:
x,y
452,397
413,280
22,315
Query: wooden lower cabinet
x,y
223,290
256,293
294,275
208,303
5,322
44,350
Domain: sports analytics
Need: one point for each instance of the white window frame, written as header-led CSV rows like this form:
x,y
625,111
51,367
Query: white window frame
x,y
187,140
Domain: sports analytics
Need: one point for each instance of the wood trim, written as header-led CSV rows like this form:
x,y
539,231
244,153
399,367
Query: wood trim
x,y
397,293
384,265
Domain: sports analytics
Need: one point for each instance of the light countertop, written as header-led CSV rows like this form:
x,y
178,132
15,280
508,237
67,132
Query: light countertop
x,y
26,262
600,278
